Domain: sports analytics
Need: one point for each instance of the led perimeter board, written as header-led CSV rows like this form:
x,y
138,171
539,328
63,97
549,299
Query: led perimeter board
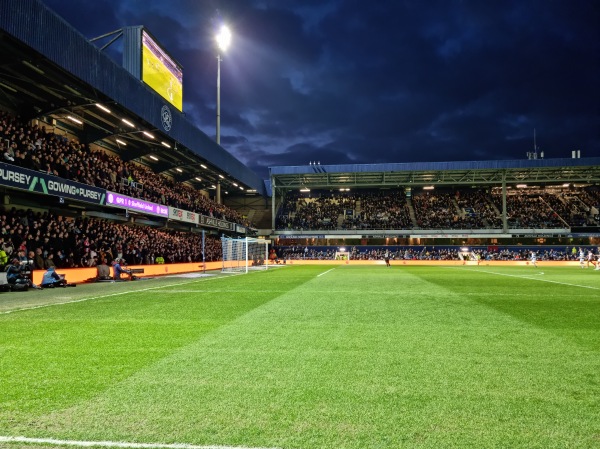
x,y
145,58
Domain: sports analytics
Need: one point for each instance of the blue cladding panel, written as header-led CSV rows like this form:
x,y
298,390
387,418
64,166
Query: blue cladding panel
x,y
440,166
132,59
37,26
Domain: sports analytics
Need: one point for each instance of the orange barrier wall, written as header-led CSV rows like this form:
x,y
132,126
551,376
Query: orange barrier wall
x,y
78,275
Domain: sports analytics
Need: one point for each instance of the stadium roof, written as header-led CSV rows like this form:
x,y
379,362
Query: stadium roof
x,y
50,71
469,173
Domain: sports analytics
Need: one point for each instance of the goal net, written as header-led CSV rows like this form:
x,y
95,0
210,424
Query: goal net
x,y
342,255
241,255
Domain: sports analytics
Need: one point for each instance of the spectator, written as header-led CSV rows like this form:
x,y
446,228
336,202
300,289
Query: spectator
x,y
15,275
38,260
119,269
52,279
3,258
104,271
49,261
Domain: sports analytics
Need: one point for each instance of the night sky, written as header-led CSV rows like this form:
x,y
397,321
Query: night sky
x,y
373,81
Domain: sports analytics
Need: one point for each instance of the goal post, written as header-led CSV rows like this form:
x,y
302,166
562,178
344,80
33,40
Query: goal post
x,y
243,254
342,255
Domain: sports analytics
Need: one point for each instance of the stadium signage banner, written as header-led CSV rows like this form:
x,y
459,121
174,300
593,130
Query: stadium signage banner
x,y
215,223
183,215
305,236
453,235
127,202
34,181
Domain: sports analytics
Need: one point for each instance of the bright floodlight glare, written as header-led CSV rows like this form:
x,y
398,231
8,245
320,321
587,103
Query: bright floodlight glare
x,y
223,38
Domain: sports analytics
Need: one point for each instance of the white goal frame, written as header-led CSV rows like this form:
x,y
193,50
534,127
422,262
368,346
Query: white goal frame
x,y
244,254
342,255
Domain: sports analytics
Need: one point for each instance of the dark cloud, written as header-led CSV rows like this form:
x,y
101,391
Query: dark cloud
x,y
349,81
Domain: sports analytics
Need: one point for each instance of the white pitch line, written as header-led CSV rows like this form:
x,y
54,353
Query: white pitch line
x,y
318,275
41,306
220,291
532,278
118,444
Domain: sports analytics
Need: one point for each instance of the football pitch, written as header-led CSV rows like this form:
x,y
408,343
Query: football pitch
x,y
307,357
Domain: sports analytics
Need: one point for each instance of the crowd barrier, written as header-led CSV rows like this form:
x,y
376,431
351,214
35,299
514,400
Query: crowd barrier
x,y
80,275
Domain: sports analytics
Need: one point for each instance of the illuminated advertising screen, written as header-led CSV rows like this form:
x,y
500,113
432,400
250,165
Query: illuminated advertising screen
x,y
161,72
127,202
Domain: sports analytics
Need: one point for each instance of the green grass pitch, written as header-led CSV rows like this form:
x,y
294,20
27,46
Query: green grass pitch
x,y
309,357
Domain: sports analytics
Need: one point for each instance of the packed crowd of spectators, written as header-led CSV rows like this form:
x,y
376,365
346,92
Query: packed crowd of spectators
x,y
379,210
458,209
322,212
429,253
356,210
478,210
437,211
565,209
576,207
529,211
36,148
524,254
305,253
588,197
407,253
51,240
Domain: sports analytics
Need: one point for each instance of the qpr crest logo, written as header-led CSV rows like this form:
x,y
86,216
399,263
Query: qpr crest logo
x,y
166,118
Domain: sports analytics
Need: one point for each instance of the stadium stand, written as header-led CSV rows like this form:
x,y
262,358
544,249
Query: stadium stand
x,y
34,147
81,242
452,210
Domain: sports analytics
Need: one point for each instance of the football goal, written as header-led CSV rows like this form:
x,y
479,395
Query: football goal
x,y
244,254
342,255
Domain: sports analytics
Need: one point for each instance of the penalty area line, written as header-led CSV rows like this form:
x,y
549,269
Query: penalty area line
x,y
325,272
117,444
530,277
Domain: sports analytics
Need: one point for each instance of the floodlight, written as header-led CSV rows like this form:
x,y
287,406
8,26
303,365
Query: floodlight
x,y
223,38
